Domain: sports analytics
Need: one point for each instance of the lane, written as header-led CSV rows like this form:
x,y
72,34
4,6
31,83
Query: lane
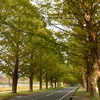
x,y
61,94
50,94
56,96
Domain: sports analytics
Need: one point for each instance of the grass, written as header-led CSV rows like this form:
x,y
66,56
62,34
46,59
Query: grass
x,y
19,88
6,96
5,89
92,98
83,91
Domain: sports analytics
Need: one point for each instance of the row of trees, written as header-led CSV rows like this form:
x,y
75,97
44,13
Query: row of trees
x,y
79,22
22,52
27,47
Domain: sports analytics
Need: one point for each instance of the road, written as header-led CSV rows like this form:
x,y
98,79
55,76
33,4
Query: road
x,y
61,94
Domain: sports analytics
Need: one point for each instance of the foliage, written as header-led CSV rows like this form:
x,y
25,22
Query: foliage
x,y
72,75
26,45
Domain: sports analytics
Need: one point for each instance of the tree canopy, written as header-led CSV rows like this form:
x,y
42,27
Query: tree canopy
x,y
28,47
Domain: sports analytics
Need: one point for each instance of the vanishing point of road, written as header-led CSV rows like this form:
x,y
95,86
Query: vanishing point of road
x,y
61,94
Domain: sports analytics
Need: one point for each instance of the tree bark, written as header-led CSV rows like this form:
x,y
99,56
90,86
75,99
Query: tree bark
x,y
94,46
87,79
91,78
40,81
83,78
55,82
58,84
87,75
97,67
46,80
87,84
98,84
46,84
15,78
92,86
31,83
51,82
96,64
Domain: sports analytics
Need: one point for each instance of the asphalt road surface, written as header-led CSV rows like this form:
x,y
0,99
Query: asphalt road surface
x,y
61,94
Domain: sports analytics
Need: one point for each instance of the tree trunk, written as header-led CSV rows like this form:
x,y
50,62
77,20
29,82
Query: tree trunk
x,y
91,78
46,80
15,78
87,77
97,71
92,86
55,83
40,81
83,79
98,84
31,83
51,82
40,84
58,84
97,68
93,40
96,64
87,84
46,84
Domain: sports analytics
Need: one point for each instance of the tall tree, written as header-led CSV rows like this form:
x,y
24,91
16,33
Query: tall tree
x,y
18,19
83,14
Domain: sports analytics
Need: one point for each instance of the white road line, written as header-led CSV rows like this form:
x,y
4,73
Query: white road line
x,y
60,91
50,94
66,95
35,94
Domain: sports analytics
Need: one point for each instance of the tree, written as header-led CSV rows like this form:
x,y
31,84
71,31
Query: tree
x,y
67,14
15,26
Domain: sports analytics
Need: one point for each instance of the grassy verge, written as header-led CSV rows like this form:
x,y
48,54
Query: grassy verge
x,y
18,88
5,96
83,92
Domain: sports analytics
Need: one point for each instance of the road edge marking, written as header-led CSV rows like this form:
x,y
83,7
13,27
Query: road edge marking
x,y
66,95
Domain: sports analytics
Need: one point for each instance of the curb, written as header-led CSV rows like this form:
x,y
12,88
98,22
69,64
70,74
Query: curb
x,y
74,91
